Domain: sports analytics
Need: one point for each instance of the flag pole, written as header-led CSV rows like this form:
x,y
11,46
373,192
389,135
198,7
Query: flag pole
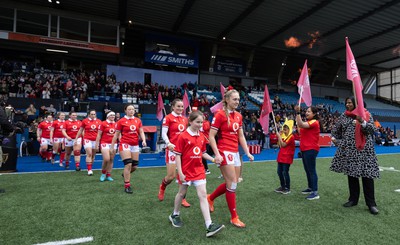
x,y
301,94
273,118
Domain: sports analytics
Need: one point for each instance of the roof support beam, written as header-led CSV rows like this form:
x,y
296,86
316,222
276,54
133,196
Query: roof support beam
x,y
122,11
184,12
384,61
377,51
393,28
240,18
358,19
295,21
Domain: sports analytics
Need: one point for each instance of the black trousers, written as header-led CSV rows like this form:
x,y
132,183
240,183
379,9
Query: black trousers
x,y
368,188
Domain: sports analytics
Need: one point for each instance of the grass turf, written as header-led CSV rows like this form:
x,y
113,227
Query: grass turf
x,y
38,208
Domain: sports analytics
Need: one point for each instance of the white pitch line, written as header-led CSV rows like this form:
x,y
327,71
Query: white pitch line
x,y
71,241
398,190
388,169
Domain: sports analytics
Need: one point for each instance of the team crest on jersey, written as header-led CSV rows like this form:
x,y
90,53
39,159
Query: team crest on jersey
x,y
196,150
172,158
132,128
181,127
230,157
235,126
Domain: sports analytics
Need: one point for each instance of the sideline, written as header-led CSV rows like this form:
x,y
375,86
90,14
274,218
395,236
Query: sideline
x,y
71,241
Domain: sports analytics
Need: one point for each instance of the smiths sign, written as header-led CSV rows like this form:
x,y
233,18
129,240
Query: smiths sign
x,y
169,50
170,59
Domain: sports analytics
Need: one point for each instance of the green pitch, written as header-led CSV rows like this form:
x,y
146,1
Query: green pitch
x,y
39,208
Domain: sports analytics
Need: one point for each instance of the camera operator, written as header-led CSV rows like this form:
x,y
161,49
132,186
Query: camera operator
x,y
6,130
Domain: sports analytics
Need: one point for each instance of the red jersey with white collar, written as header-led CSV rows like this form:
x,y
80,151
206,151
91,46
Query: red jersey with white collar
x,y
191,146
228,135
58,125
72,127
45,126
129,128
91,127
176,125
108,130
286,154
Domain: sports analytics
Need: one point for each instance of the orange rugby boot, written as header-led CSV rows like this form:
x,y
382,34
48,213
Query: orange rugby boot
x,y
236,222
185,203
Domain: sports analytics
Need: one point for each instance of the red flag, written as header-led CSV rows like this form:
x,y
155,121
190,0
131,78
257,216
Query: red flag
x,y
220,104
354,76
304,86
160,107
266,109
186,102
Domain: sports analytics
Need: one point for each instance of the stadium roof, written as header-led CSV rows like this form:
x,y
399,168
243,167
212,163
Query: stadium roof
x,y
312,28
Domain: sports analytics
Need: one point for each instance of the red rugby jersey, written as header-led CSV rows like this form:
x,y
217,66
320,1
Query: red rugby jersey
x,y
72,127
129,128
176,125
205,129
228,135
309,137
45,126
108,130
91,127
58,125
191,146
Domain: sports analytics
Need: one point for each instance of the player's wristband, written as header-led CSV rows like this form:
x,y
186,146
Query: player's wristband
x,y
213,160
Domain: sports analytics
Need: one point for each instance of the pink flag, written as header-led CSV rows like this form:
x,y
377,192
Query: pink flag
x,y
266,109
220,104
304,86
160,107
354,76
186,102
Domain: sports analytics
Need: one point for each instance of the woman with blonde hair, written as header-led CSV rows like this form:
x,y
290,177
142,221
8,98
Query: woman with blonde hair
x,y
227,124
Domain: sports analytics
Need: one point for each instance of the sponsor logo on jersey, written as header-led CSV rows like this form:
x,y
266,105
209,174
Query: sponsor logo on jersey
x,y
196,150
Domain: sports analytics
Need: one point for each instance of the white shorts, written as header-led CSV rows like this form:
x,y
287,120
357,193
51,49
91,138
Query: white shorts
x,y
131,148
89,144
232,158
45,141
170,157
195,183
58,140
108,146
70,143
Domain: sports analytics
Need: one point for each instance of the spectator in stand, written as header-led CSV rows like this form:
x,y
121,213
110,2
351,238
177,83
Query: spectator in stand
x,y
106,110
46,93
260,134
273,139
31,111
51,110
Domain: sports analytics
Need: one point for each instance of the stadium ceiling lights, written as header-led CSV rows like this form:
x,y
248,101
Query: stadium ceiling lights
x,y
57,50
